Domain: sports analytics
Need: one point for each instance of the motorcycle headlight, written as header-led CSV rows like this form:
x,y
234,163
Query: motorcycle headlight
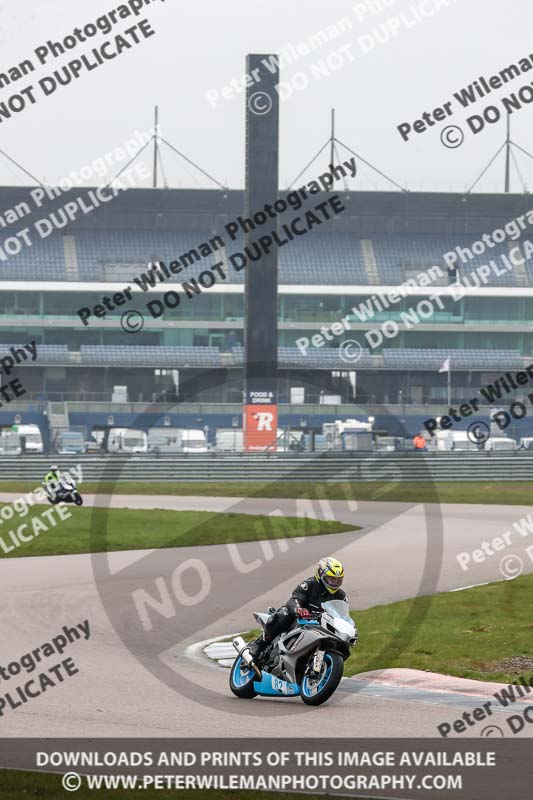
x,y
345,629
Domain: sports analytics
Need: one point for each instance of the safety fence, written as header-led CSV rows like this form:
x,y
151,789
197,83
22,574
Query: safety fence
x,y
356,466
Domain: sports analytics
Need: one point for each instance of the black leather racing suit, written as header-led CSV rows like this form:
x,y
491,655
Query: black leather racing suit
x,y
308,594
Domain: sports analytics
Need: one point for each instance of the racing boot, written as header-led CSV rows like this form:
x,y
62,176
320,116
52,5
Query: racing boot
x,y
258,647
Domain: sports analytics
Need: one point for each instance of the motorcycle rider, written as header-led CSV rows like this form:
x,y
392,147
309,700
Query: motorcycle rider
x,y
306,600
52,480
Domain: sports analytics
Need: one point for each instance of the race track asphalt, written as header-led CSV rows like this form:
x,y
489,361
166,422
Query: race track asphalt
x,y
140,680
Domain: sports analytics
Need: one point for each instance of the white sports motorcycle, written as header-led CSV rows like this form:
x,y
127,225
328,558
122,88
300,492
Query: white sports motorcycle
x,y
65,490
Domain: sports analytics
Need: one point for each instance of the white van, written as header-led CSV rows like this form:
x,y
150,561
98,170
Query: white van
x,y
192,441
127,440
164,440
526,443
460,440
30,437
229,440
70,442
9,443
500,443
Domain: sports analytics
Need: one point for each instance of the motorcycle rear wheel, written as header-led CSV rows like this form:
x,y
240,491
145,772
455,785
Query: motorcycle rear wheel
x,y
241,682
314,693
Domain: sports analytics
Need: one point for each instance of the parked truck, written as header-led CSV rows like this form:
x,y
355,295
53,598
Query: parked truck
x,y
349,434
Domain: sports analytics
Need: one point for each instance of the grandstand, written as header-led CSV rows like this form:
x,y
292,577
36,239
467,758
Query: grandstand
x,y
193,354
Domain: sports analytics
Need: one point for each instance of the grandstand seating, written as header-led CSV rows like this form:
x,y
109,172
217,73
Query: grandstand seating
x,y
319,358
46,353
315,357
95,249
44,260
433,359
384,238
396,254
148,356
322,357
321,258
318,258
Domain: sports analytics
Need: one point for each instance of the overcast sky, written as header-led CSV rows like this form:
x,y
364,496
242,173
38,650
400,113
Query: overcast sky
x,y
201,46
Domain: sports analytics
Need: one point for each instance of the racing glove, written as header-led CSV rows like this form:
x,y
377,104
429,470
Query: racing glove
x,y
303,613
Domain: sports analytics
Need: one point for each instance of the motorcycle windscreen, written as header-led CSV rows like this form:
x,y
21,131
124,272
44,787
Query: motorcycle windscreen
x,y
338,608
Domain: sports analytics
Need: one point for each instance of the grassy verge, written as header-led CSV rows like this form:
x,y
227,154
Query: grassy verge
x,y
19,785
467,633
486,493
132,529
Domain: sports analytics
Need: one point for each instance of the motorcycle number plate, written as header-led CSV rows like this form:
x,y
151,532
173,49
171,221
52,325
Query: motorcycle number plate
x,y
282,686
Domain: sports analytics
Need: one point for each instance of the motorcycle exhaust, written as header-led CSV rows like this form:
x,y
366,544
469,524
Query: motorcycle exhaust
x,y
242,649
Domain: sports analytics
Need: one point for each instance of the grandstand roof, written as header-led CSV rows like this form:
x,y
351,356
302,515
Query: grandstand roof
x,y
380,212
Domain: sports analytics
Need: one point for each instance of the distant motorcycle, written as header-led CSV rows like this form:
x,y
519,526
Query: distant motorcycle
x,y
307,661
66,491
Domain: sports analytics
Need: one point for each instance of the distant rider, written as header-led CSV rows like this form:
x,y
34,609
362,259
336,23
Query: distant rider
x,y
305,600
52,480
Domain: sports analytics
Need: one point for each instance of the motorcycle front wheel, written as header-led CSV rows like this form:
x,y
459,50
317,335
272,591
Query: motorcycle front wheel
x,y
78,499
314,692
241,680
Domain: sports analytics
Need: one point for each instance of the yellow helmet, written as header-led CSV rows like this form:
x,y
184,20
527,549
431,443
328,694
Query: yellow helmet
x,y
330,573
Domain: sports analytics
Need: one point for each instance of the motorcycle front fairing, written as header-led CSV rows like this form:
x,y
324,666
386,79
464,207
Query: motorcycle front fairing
x,y
298,643
272,686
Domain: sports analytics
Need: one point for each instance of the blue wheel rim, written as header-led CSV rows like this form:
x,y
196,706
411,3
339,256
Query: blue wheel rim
x,y
240,677
309,689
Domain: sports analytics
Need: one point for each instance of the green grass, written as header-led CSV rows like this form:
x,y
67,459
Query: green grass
x,y
137,529
43,786
508,493
464,633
